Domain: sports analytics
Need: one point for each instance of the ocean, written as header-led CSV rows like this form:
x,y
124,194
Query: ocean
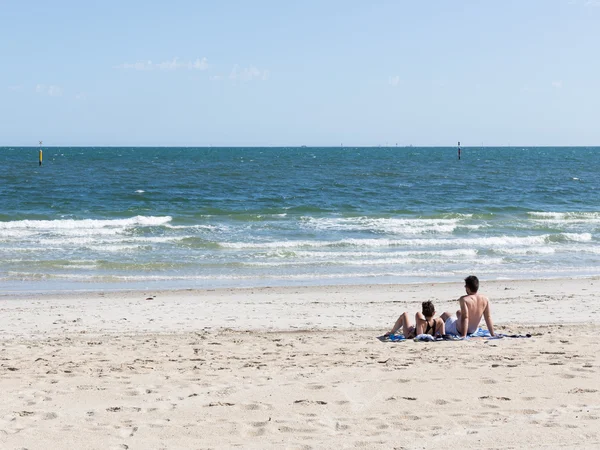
x,y
168,218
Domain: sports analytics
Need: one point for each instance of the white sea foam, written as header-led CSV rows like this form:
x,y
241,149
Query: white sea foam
x,y
566,216
526,251
225,277
44,235
29,249
577,237
382,225
85,223
7,235
212,228
113,248
585,249
88,240
414,253
497,241
376,262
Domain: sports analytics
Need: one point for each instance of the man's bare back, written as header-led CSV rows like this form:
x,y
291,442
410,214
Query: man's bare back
x,y
473,307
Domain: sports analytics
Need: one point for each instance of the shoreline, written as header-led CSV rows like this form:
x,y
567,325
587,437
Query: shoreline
x,y
166,287
346,307
457,281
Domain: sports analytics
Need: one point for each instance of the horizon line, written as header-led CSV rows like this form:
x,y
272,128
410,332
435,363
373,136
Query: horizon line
x,y
300,146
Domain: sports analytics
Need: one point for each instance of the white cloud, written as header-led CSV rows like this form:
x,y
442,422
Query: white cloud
x,y
81,96
248,73
557,84
15,88
200,64
174,64
52,90
394,80
55,91
140,65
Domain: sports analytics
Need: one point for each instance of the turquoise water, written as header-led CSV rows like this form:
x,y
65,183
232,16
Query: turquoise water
x,y
120,218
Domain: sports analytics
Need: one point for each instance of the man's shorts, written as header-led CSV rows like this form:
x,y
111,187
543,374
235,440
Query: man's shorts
x,y
450,325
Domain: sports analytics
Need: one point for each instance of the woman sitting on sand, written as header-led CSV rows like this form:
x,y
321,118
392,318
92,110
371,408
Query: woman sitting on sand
x,y
425,323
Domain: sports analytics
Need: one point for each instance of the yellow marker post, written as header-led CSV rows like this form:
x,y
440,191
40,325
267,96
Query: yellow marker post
x,y
41,155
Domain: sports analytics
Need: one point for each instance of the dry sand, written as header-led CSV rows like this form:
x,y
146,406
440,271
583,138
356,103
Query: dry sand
x,y
297,368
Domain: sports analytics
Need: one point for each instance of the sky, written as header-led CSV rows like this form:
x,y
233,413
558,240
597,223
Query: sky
x,y
315,73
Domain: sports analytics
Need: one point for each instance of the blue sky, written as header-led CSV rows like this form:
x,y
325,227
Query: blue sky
x,y
300,73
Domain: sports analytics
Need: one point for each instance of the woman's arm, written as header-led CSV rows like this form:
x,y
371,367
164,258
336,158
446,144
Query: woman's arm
x,y
441,327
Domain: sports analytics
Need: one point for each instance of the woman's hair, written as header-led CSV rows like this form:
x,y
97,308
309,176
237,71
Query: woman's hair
x,y
428,309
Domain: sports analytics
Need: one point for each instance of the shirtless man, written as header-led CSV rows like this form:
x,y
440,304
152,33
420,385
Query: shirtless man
x,y
472,307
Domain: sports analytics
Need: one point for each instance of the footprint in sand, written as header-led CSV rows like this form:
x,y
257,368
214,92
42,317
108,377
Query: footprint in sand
x,y
212,404
256,432
341,427
286,429
132,393
582,391
159,423
129,431
410,417
256,406
551,425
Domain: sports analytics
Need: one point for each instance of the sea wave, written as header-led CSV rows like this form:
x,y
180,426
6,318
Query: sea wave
x,y
526,251
374,262
565,216
96,224
382,225
350,254
493,241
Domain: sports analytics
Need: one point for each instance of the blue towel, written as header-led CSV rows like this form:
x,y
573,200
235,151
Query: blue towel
x,y
486,334
392,338
396,337
480,333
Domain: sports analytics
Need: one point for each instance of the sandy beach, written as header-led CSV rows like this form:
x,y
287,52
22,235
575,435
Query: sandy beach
x,y
297,368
